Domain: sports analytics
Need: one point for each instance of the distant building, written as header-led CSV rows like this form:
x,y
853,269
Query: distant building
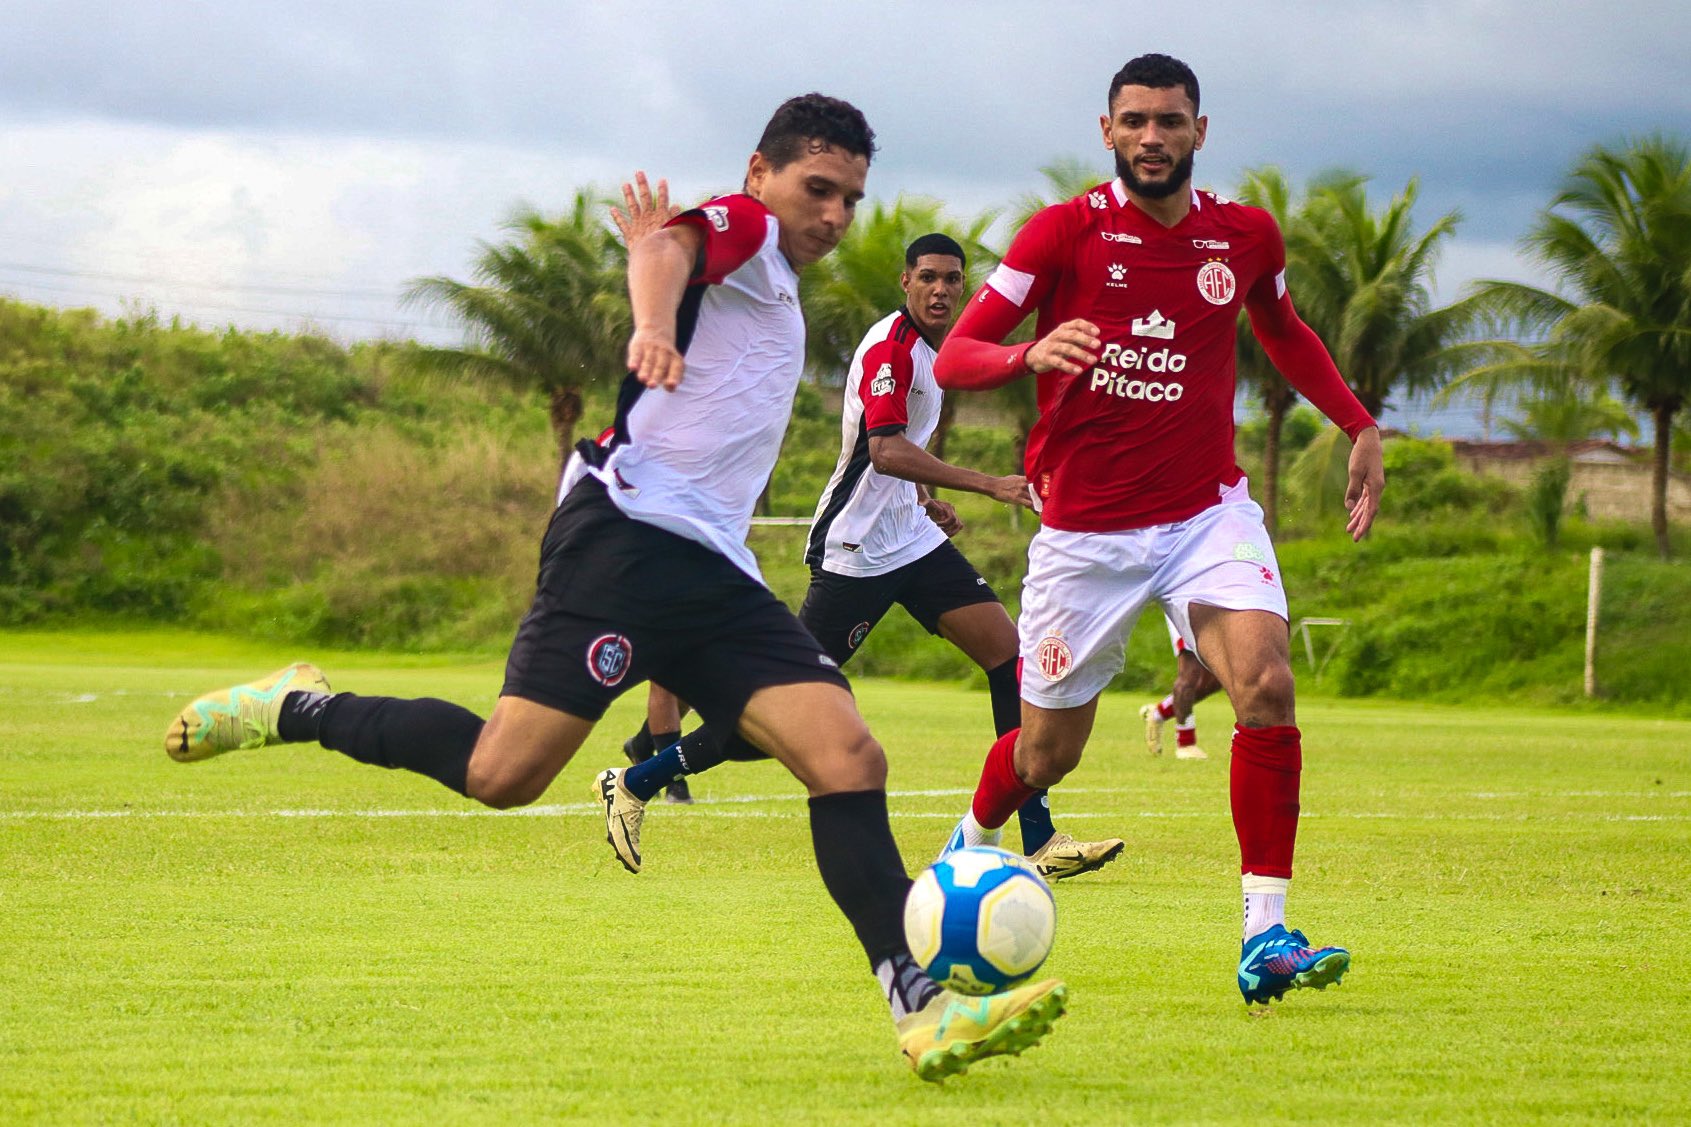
x,y
1612,481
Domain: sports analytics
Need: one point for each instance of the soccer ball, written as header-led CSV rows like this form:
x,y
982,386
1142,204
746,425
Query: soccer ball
x,y
980,920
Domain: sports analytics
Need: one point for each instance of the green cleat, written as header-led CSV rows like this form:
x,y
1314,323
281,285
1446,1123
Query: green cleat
x,y
954,1031
238,718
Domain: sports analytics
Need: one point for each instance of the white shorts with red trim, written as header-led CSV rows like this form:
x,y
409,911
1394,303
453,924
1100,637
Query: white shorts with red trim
x,y
1084,591
1174,638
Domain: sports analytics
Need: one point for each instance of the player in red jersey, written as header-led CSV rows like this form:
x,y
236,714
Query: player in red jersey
x,y
1138,284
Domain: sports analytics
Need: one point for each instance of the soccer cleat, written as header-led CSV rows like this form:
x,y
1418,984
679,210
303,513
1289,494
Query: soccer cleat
x,y
634,756
623,815
1190,751
240,717
954,1031
1154,722
679,793
1063,857
1277,960
959,840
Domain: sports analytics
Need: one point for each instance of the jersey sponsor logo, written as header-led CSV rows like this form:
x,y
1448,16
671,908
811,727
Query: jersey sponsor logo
x,y
824,659
1154,325
858,633
883,383
1212,244
1216,283
608,659
1054,658
786,298
718,217
1245,550
851,547
1096,199
1121,237
1119,366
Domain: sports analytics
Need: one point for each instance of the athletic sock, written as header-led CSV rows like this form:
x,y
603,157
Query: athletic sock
x,y
1004,682
1186,735
1263,785
906,985
640,746
1000,790
428,736
645,779
860,865
1265,903
661,740
1035,818
1165,707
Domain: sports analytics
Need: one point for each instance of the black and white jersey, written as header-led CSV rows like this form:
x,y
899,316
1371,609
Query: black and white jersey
x,y
868,523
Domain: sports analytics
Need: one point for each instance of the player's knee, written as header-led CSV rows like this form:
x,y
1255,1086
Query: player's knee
x,y
1044,763
853,762
1268,695
500,787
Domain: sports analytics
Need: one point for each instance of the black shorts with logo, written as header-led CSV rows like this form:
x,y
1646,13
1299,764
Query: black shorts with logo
x,y
841,609
620,601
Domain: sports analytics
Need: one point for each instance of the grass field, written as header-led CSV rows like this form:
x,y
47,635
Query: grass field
x,y
286,936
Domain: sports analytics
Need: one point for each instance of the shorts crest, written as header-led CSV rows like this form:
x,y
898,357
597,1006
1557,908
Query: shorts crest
x,y
608,659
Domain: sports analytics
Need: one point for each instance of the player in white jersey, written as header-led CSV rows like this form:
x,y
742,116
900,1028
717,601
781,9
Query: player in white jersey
x,y
645,573
879,539
1192,683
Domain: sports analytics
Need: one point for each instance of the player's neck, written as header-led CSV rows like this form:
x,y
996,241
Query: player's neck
x,y
1168,210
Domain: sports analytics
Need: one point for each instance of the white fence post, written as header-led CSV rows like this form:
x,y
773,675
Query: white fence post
x,y
1593,597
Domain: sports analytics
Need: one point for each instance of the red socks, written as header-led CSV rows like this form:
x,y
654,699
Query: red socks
x,y
1267,763
1000,793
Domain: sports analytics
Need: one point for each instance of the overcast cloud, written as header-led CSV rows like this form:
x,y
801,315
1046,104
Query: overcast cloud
x,y
266,163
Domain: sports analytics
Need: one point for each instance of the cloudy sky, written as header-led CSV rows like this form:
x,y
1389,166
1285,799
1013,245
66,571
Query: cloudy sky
x,y
269,164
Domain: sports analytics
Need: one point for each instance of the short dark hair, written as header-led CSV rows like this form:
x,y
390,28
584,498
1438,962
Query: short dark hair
x,y
935,243
811,118
1159,72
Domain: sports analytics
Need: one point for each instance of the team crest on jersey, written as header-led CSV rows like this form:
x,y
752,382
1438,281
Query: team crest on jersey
x,y
1054,658
858,633
718,217
608,659
1096,199
882,384
1216,283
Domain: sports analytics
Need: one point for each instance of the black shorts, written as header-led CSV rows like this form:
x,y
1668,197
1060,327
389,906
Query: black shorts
x,y
620,601
841,609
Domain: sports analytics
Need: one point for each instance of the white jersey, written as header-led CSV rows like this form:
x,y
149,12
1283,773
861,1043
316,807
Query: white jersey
x,y
866,522
693,461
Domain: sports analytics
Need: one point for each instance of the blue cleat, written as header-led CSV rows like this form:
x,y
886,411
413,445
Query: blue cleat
x,y
1277,960
960,840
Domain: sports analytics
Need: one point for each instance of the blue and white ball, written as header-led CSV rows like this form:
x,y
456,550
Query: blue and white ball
x,y
980,920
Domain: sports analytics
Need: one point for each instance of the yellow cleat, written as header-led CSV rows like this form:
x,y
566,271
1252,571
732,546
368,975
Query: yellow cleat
x,y
238,718
954,1031
623,815
1063,857
1153,728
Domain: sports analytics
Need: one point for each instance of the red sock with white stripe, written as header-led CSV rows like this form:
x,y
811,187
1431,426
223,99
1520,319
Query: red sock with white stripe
x,y
1186,735
1266,769
1165,707
1001,791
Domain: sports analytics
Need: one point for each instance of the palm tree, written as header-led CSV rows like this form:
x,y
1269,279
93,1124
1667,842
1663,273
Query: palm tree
x,y
1617,238
548,309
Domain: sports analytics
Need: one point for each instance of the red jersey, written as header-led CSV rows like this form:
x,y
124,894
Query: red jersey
x,y
1144,436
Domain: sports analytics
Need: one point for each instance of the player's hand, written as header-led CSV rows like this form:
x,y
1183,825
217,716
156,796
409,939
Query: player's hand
x,y
1012,490
1071,348
943,515
1367,479
654,359
644,214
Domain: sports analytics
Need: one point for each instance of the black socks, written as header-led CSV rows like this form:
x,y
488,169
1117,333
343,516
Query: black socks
x,y
428,736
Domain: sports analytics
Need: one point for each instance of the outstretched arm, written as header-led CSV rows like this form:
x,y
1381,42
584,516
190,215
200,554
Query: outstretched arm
x,y
896,456
659,267
1300,356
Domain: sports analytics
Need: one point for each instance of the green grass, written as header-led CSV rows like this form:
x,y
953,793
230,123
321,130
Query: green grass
x,y
1512,883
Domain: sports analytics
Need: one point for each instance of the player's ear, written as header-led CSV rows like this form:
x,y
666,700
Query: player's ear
x,y
1104,127
757,170
1203,128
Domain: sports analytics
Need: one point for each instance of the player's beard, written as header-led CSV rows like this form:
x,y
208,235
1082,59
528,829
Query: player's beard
x,y
1179,174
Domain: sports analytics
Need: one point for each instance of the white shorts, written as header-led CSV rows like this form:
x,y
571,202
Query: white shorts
x,y
1174,638
1084,591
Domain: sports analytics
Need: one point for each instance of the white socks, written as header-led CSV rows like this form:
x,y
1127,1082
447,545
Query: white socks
x,y
976,834
1265,903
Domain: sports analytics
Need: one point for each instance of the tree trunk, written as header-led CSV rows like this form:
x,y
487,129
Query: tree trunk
x,y
1276,400
1659,476
564,408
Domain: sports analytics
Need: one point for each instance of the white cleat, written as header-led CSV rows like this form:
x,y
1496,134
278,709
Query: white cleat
x,y
1192,752
623,815
1063,857
1153,728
